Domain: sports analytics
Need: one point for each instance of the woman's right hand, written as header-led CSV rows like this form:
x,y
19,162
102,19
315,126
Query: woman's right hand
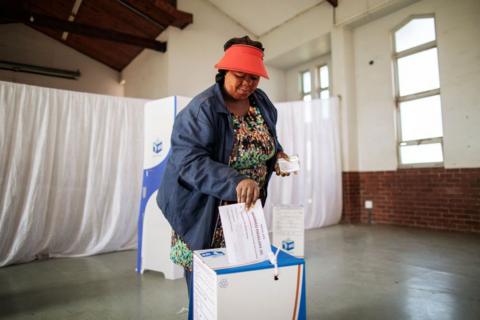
x,y
247,192
281,155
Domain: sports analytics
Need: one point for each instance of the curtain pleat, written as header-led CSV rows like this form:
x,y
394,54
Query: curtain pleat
x,y
70,172
311,131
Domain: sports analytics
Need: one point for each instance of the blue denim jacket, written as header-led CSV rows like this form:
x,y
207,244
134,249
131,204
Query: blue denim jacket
x,y
197,176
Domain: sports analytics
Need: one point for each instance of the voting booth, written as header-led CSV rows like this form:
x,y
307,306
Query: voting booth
x,y
154,232
251,291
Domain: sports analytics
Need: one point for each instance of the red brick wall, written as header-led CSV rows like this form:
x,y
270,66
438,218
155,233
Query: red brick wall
x,y
435,198
351,197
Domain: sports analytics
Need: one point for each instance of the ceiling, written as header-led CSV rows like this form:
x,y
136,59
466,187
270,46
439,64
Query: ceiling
x,y
260,17
306,52
113,32
250,14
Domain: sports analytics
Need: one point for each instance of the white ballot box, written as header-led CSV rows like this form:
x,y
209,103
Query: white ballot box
x,y
249,291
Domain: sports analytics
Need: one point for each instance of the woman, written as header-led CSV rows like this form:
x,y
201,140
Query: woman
x,y
224,150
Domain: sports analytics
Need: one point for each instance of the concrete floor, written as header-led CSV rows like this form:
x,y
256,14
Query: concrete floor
x,y
353,272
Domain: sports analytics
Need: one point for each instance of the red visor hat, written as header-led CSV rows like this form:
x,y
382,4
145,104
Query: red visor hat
x,y
243,58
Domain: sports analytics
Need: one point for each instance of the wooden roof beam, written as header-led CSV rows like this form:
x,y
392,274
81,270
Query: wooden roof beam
x,y
160,12
334,3
33,19
181,18
148,11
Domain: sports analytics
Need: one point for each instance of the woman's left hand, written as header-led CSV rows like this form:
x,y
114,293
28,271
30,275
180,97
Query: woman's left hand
x,y
281,155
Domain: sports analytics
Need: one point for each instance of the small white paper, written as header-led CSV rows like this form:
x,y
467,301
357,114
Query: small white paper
x,y
245,232
289,166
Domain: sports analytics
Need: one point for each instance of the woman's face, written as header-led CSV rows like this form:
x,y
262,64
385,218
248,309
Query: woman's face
x,y
240,85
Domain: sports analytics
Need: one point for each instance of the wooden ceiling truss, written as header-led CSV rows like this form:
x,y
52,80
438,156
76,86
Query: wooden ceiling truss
x,y
113,32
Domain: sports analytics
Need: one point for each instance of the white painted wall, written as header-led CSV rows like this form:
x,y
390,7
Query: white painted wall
x,y
22,44
343,86
458,28
298,31
359,11
146,76
374,99
187,68
275,87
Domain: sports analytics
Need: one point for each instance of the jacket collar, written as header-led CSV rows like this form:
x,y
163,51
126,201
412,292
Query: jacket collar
x,y
219,107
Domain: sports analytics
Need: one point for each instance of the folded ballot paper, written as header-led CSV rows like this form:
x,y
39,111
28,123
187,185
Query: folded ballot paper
x,y
246,233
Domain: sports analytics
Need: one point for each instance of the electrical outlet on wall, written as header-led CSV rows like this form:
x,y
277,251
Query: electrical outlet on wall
x,y
368,204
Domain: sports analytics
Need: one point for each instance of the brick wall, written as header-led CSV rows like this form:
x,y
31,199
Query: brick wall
x,y
435,198
351,197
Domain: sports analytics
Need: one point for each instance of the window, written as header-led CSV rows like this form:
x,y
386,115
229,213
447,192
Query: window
x,y
315,87
417,85
306,83
323,90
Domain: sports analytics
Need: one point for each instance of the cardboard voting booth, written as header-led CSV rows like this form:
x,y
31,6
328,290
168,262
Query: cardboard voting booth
x,y
154,232
249,291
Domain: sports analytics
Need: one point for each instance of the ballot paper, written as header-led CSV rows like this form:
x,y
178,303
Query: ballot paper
x,y
245,232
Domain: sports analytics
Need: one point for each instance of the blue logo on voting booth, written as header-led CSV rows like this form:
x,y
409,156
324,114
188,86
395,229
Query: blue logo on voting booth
x,y
288,244
212,253
157,146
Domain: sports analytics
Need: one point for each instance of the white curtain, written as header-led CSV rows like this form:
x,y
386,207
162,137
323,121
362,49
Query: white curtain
x,y
70,172
310,130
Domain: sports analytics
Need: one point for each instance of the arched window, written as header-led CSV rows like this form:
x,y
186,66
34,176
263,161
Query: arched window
x,y
417,85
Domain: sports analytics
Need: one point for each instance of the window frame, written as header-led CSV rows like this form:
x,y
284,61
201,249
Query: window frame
x,y
315,83
424,94
318,82
302,92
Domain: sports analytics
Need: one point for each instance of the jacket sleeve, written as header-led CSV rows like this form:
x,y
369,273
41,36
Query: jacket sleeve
x,y
193,146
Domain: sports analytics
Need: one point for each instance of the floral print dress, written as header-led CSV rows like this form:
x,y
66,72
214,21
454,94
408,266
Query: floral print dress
x,y
253,146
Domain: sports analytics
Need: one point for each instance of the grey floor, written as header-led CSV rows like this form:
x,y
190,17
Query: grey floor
x,y
353,272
